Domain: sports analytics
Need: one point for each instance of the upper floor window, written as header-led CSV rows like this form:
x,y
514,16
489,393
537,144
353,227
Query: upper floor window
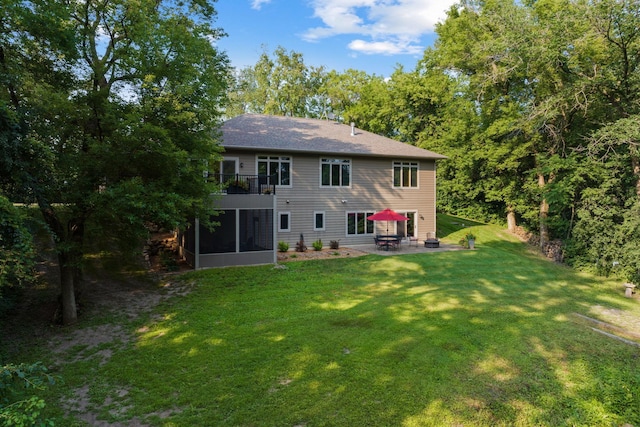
x,y
278,166
335,172
405,174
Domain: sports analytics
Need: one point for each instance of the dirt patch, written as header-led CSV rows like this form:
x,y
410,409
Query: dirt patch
x,y
322,254
109,292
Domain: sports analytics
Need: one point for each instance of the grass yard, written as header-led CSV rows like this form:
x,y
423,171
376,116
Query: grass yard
x,y
466,338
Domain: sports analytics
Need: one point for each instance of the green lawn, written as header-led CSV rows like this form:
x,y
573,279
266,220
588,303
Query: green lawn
x,y
475,338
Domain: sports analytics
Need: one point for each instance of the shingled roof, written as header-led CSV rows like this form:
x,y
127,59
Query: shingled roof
x,y
264,133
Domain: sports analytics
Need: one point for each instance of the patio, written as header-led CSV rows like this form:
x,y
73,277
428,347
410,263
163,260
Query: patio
x,y
405,248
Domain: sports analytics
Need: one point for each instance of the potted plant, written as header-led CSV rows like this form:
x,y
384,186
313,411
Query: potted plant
x,y
469,240
237,186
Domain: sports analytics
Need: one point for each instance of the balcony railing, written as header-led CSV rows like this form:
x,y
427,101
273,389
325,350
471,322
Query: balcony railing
x,y
245,184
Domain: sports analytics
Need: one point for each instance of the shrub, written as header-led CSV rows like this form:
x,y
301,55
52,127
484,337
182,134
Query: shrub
x,y
18,404
334,244
168,260
317,245
283,246
300,246
17,253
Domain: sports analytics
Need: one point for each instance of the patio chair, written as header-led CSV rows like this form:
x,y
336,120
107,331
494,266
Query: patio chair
x,y
431,241
379,243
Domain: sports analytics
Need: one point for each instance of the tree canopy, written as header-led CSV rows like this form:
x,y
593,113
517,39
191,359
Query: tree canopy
x,y
109,111
112,109
534,103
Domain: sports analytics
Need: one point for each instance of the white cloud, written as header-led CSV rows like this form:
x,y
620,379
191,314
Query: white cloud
x,y
257,4
390,26
387,47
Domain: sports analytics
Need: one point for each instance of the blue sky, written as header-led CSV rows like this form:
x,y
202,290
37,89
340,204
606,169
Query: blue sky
x,y
369,35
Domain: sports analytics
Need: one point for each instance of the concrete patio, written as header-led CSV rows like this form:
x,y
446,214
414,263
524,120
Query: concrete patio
x,y
405,248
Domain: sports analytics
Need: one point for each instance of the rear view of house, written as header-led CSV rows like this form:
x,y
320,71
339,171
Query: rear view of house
x,y
286,177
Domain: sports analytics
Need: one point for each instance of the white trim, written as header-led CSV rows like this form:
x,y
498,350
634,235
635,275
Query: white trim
x,y
330,157
324,220
279,157
402,163
235,159
288,214
416,217
366,212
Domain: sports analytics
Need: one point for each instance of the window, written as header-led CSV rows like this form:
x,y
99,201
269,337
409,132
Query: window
x,y
223,171
405,174
284,221
335,172
357,223
277,166
228,169
318,221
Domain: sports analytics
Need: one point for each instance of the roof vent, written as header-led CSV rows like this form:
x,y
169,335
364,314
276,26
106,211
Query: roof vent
x,y
353,129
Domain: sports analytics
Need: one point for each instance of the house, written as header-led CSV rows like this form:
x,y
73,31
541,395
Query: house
x,y
286,177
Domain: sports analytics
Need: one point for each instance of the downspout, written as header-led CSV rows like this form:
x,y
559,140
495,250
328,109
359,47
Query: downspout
x,y
435,195
274,227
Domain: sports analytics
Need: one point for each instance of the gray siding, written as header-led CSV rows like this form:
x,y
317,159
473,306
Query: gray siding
x,y
235,201
371,190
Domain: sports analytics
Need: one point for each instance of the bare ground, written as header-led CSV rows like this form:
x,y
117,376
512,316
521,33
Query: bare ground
x,y
105,295
322,254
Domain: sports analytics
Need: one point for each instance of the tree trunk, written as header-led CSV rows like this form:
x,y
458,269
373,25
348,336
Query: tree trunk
x,y
71,271
544,214
635,163
511,219
69,242
67,296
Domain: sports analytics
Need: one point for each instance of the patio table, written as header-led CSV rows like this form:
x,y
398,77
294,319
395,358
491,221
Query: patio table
x,y
388,241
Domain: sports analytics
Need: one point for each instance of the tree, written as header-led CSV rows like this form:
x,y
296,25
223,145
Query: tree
x,y
283,85
530,69
607,230
17,254
121,134
340,91
484,45
373,109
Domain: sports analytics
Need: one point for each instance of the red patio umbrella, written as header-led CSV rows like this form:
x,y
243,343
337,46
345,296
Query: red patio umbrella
x,y
387,215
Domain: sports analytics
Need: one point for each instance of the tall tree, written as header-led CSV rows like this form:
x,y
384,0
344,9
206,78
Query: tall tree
x,y
373,109
529,68
281,85
488,55
340,91
120,136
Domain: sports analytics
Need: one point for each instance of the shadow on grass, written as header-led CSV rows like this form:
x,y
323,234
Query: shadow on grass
x,y
478,337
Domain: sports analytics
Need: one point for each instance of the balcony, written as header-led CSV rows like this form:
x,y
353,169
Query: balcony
x,y
245,184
